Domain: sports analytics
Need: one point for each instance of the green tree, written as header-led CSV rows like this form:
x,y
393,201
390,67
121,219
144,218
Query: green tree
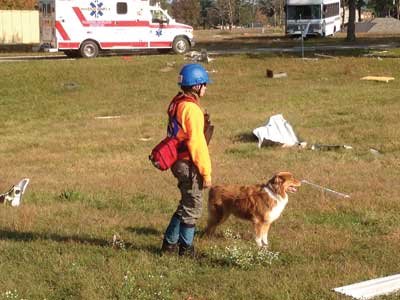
x,y
186,11
245,14
205,6
383,8
17,4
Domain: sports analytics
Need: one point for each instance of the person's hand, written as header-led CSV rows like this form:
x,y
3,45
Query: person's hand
x,y
207,184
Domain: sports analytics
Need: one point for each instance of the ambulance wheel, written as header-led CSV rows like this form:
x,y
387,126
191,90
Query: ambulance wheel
x,y
89,49
180,45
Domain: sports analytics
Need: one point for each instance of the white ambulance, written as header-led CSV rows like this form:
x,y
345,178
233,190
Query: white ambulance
x,y
85,27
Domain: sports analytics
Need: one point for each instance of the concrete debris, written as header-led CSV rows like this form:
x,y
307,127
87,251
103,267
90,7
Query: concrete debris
x,y
329,147
198,56
371,288
271,74
325,56
374,151
71,85
117,242
378,78
169,67
166,69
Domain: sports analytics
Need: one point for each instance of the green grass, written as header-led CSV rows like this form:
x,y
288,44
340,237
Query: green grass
x,y
91,179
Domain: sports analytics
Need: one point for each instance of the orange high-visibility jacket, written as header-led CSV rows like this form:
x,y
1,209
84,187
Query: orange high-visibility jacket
x,y
191,130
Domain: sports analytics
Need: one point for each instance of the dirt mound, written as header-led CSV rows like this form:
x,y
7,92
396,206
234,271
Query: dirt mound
x,y
380,25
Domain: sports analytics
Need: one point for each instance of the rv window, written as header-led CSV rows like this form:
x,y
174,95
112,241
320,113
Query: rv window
x,y
303,12
331,10
122,8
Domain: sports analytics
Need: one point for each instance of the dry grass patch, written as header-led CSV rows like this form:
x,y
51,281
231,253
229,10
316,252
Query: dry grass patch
x,y
91,179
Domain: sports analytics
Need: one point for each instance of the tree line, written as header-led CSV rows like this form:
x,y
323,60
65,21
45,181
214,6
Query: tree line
x,y
247,13
230,13
243,13
18,4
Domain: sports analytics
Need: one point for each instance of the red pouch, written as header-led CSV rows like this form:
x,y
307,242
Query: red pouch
x,y
165,154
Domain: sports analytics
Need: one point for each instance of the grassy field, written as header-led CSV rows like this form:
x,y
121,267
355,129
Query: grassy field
x,y
91,179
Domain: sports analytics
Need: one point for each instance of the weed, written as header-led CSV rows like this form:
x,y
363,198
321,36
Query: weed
x,y
11,294
242,256
239,254
71,196
145,287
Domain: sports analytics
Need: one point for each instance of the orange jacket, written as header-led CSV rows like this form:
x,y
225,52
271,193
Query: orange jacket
x,y
191,118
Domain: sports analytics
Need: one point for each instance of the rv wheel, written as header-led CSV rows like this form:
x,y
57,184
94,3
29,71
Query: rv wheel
x,y
89,49
180,45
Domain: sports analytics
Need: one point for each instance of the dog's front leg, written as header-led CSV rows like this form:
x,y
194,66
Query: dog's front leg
x,y
261,230
257,229
265,240
259,241
264,231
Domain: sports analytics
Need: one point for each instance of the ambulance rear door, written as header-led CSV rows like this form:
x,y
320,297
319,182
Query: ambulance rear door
x,y
47,23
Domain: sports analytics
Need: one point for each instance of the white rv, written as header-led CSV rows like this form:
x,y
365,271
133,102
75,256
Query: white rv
x,y
85,27
320,17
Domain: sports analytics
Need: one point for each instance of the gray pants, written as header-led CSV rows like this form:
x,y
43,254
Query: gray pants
x,y
190,184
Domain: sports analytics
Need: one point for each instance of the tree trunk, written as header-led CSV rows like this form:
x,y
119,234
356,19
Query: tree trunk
x,y
398,9
351,26
343,16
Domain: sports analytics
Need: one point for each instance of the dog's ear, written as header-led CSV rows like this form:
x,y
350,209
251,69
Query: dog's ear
x,y
276,184
278,180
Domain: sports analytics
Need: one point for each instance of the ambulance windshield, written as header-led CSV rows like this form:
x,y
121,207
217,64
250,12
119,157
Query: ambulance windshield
x,y
158,16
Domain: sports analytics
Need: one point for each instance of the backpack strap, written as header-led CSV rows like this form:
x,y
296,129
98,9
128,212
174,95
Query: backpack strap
x,y
173,124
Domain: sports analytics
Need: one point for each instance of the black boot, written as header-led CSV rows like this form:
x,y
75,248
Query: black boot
x,y
186,250
167,247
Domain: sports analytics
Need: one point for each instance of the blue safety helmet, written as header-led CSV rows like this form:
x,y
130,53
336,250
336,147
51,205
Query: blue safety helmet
x,y
193,74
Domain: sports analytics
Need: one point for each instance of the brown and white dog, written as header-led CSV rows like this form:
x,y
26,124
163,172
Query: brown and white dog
x,y
261,204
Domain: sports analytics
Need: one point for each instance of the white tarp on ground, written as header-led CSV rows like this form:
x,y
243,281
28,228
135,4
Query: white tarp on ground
x,y
277,130
371,288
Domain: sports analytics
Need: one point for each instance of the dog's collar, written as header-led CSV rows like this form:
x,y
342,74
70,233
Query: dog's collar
x,y
272,194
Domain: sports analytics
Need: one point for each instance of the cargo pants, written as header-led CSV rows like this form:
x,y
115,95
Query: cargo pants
x,y
190,184
181,228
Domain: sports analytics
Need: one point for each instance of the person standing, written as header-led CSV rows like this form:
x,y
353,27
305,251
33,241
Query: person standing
x,y
193,167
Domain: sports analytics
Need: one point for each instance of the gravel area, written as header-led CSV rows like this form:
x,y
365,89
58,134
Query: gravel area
x,y
380,26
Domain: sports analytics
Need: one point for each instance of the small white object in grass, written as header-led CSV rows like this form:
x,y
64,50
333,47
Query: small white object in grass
x,y
107,117
145,139
18,191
